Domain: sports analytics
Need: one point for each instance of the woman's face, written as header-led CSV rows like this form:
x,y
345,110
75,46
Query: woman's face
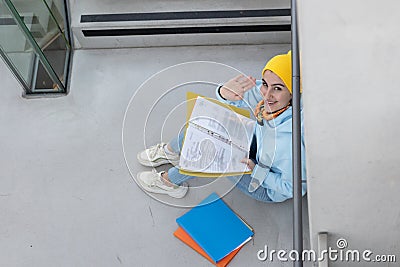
x,y
274,92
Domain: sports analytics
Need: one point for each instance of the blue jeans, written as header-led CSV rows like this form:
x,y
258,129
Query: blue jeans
x,y
242,182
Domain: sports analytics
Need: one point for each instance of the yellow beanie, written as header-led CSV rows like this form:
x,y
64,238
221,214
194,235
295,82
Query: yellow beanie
x,y
281,65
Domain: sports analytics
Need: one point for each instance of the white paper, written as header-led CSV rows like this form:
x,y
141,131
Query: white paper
x,y
216,140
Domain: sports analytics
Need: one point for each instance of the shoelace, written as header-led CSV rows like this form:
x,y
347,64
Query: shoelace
x,y
154,183
154,149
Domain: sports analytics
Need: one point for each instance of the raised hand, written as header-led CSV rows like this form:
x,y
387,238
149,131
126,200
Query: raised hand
x,y
235,88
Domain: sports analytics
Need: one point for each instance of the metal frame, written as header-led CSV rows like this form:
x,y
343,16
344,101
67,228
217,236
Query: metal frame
x,y
34,73
68,58
296,142
323,246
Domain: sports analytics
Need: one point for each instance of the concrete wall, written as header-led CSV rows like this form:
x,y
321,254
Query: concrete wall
x,y
349,56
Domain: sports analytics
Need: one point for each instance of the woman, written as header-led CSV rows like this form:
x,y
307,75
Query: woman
x,y
271,157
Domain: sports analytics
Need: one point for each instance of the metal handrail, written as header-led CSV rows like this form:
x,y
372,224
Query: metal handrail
x,y
296,142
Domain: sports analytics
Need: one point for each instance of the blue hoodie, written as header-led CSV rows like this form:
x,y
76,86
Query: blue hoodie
x,y
273,170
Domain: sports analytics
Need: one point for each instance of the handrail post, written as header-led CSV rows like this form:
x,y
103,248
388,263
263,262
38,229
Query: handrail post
x,y
296,142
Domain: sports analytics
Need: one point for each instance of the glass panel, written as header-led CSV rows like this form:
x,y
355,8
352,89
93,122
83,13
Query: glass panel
x,y
16,47
56,54
57,8
46,24
57,58
43,81
34,43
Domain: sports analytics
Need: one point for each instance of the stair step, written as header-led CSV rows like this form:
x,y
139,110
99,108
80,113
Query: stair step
x,y
255,26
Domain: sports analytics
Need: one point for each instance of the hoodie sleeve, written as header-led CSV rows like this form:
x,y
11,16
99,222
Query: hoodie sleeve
x,y
278,180
250,98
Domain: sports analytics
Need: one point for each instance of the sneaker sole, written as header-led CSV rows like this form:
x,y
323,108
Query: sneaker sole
x,y
147,188
148,163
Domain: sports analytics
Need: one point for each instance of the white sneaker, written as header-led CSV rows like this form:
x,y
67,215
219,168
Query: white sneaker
x,y
151,181
155,156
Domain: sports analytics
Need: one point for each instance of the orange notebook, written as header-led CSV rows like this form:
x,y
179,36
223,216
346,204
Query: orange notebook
x,y
185,238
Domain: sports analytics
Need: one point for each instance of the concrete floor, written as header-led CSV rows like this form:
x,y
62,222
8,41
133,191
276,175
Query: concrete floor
x,y
66,194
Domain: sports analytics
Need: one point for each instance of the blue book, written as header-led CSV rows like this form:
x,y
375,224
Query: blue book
x,y
215,227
